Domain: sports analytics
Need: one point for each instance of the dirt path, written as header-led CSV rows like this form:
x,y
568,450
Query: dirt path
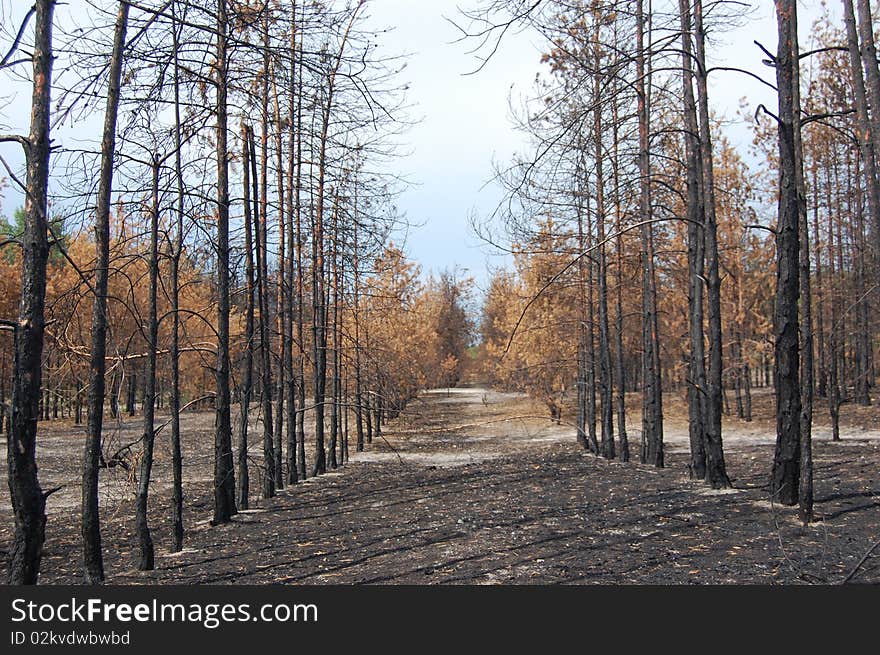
x,y
474,486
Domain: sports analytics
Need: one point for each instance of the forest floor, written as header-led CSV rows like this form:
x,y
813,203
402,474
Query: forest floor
x,y
473,486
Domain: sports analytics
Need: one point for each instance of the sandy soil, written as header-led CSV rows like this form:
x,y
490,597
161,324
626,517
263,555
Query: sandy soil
x,y
475,486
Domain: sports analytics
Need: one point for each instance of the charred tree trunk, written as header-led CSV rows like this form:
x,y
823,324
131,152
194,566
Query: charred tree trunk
x,y
294,120
28,501
176,456
356,317
590,344
224,472
332,301
246,388
300,296
652,398
259,233
606,383
281,309
716,470
785,477
871,127
146,559
833,339
93,558
618,223
697,384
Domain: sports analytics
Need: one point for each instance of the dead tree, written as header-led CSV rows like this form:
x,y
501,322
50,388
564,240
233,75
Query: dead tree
x,y
146,557
28,499
93,559
224,472
785,477
652,392
716,470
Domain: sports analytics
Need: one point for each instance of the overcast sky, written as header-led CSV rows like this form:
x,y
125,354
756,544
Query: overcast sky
x,y
465,118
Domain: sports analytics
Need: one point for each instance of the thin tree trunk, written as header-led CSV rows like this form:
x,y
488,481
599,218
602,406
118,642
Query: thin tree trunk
x,y
652,399
697,383
300,298
333,292
146,560
590,350
281,305
246,388
224,472
582,381
176,457
606,383
290,273
356,317
93,558
716,470
621,370
259,233
833,381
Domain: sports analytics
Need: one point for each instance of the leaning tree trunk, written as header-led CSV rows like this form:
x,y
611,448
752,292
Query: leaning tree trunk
x,y
28,500
785,476
93,559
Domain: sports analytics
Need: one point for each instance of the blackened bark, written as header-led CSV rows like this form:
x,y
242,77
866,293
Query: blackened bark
x,y
620,372
582,381
28,501
697,384
300,298
246,388
259,233
333,292
177,531
716,471
282,306
606,383
785,476
146,559
224,472
868,57
93,559
833,382
358,384
319,308
590,346
289,274
652,399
